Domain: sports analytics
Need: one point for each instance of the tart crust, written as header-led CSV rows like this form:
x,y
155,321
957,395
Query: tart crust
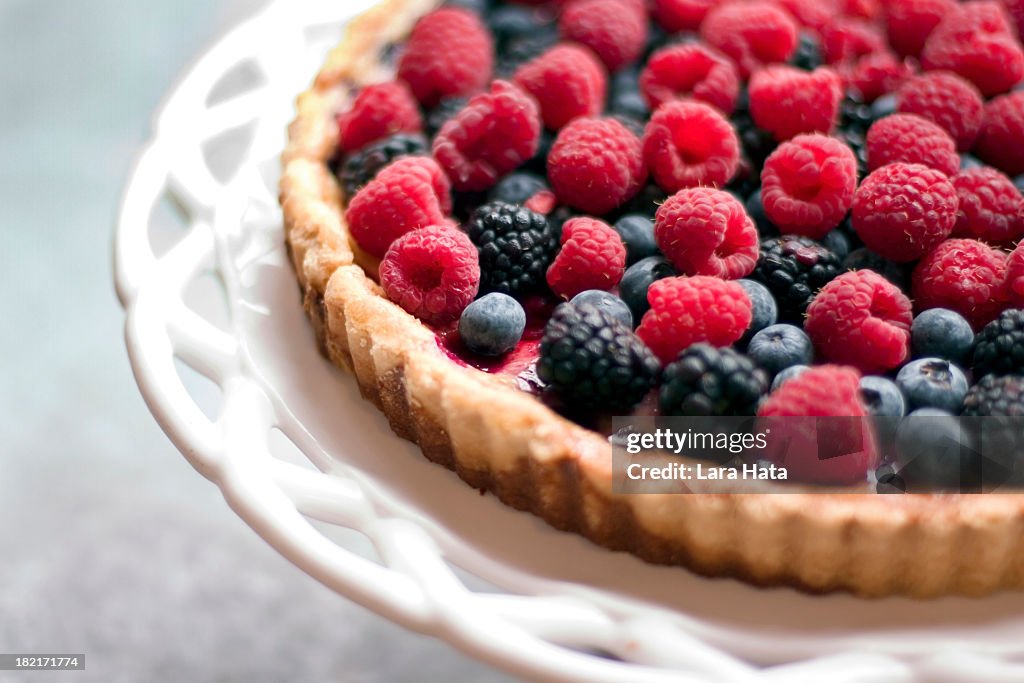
x,y
502,440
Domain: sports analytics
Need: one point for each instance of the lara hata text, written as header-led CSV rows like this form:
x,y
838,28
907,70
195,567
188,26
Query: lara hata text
x,y
686,472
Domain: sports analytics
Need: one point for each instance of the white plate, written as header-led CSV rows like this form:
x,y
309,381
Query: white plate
x,y
293,442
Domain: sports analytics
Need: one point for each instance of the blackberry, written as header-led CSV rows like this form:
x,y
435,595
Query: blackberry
x,y
863,258
996,397
522,49
439,115
590,360
516,247
706,381
360,167
999,347
998,435
794,268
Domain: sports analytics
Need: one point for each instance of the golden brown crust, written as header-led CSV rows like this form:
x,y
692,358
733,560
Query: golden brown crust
x,y
502,440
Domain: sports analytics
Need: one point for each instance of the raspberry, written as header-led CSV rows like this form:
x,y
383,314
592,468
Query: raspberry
x,y
687,144
808,185
591,360
794,268
1002,129
707,381
991,207
861,9
912,140
704,231
449,53
1015,276
910,22
999,347
751,33
786,101
812,14
901,211
690,70
861,319
432,273
567,81
946,100
592,257
1015,9
596,165
492,135
877,74
410,194
676,16
379,110
516,246
965,276
361,167
615,30
821,391
847,40
688,310
976,41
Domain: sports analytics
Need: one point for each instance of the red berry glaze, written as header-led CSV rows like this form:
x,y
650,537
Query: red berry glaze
x,y
947,100
568,81
752,34
687,144
912,140
901,211
861,319
1002,130
615,30
596,165
966,276
704,231
687,310
592,257
409,194
786,101
449,53
433,273
379,110
690,70
991,207
491,136
808,185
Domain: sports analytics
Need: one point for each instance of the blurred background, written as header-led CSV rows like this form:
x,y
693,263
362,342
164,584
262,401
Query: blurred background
x,y
110,544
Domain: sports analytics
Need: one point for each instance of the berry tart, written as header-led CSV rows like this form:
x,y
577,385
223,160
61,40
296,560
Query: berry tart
x,y
513,220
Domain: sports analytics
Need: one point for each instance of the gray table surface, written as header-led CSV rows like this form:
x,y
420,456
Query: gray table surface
x,y
110,544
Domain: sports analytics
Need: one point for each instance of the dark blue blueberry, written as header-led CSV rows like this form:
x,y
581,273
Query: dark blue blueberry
x,y
629,103
808,52
492,325
934,451
942,333
865,259
637,233
638,278
933,383
478,6
788,374
1019,183
509,21
609,303
645,203
778,347
969,161
883,106
755,209
882,397
516,188
765,310
837,242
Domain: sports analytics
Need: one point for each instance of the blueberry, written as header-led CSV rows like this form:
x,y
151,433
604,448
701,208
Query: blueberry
x,y
808,52
883,106
637,280
766,311
508,22
865,259
933,450
1019,183
882,397
755,209
516,188
492,325
629,103
933,383
788,374
778,347
637,233
969,161
609,303
837,242
478,6
943,333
